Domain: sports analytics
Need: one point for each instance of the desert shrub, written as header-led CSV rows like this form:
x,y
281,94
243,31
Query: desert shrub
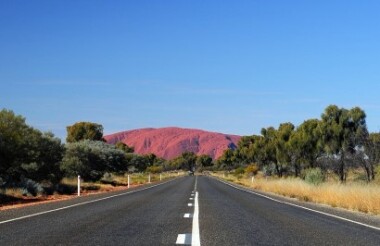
x,y
239,171
31,187
251,169
154,169
269,170
91,159
314,176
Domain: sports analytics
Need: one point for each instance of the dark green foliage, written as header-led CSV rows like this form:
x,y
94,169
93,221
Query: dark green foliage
x,y
26,152
204,161
84,131
124,147
91,159
188,161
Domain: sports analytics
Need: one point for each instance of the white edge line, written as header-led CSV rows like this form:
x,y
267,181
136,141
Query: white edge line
x,y
299,206
81,203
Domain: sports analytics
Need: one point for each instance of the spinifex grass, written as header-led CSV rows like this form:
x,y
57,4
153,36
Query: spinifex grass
x,y
354,196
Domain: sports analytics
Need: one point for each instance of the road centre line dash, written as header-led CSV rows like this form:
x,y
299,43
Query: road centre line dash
x,y
183,239
187,216
83,203
299,206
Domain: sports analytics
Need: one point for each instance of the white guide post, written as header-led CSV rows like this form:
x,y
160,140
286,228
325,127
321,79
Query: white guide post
x,y
149,179
78,185
128,181
160,177
253,178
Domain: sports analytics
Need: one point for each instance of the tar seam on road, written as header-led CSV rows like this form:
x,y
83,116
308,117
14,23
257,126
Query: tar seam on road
x,y
298,206
80,204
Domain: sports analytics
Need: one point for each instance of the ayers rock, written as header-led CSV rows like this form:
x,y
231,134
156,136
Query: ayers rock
x,y
171,142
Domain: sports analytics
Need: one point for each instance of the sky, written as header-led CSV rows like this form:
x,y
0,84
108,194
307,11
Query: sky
x,y
230,66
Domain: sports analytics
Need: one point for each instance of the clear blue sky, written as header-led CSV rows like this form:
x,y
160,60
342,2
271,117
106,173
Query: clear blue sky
x,y
226,66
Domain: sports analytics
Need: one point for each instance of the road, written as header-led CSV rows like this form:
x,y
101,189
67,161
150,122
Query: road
x,y
217,214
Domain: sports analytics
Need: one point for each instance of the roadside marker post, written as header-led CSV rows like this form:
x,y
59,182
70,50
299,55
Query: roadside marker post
x,y
78,185
160,177
149,179
253,178
128,181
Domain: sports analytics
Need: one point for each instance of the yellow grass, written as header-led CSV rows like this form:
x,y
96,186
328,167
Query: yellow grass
x,y
354,196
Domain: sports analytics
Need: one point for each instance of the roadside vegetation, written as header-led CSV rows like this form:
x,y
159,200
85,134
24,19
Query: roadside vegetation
x,y
35,164
354,195
332,160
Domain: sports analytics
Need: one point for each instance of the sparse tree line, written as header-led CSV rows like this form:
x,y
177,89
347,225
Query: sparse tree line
x,y
30,158
336,142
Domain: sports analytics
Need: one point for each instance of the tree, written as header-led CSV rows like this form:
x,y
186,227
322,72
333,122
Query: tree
x,y
45,159
341,130
27,153
204,161
370,154
306,144
84,130
284,151
267,149
227,160
188,161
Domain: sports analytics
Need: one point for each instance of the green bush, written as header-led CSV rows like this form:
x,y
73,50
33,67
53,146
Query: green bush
x,y
314,176
91,159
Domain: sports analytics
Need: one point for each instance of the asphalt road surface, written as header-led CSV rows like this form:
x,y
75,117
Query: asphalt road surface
x,y
194,210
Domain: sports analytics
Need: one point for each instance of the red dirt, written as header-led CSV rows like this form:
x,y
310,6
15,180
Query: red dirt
x,y
30,201
171,142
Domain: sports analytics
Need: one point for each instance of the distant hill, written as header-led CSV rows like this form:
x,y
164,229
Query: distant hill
x,y
170,142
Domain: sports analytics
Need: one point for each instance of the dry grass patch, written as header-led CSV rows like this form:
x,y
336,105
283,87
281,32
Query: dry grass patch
x,y
354,196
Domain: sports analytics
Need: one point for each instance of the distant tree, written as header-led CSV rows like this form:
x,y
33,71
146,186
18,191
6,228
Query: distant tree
x,y
204,161
139,162
227,160
84,131
188,161
124,147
